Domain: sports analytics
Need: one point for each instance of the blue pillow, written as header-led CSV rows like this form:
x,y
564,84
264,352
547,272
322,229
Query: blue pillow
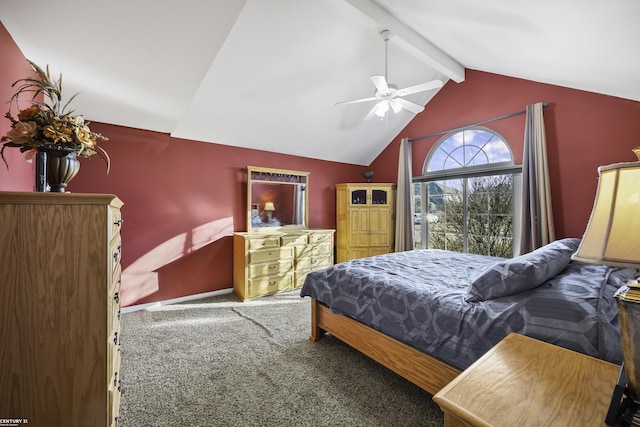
x,y
522,273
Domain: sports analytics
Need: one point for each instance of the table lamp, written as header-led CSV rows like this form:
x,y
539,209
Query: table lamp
x,y
613,238
269,207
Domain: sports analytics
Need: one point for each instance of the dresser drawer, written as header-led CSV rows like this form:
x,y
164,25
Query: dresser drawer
x,y
114,312
317,238
116,279
271,268
114,337
266,255
263,242
115,368
114,406
115,251
113,357
294,239
313,250
270,285
115,220
307,264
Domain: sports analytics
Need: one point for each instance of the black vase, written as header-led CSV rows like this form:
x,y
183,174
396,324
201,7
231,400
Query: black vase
x,y
61,168
41,171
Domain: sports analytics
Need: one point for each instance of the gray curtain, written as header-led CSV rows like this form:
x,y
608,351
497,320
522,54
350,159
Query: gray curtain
x,y
537,214
404,199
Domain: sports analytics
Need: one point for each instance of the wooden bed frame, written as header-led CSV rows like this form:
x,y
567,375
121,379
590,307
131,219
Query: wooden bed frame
x,y
423,370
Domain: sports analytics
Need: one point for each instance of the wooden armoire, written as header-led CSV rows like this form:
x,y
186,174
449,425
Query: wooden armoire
x,y
365,220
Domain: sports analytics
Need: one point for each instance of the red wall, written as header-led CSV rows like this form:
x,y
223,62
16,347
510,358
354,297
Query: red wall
x,y
20,175
584,130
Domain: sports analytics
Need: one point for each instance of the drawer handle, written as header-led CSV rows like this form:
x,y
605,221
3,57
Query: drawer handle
x,y
271,267
118,222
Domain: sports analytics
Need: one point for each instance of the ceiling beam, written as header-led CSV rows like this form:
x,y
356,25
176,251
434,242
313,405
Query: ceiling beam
x,y
410,40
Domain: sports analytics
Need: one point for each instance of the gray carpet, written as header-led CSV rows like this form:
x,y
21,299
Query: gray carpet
x,y
222,362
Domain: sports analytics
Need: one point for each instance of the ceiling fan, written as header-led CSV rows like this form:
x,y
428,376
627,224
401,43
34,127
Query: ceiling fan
x,y
388,95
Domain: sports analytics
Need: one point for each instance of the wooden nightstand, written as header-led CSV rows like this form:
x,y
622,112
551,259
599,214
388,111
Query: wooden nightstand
x,y
526,382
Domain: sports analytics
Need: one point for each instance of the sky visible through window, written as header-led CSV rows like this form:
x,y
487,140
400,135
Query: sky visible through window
x,y
473,147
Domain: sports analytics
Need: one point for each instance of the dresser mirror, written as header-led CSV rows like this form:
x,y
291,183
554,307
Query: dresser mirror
x,y
276,198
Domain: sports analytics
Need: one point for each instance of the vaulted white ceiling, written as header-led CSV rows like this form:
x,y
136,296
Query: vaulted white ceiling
x,y
266,74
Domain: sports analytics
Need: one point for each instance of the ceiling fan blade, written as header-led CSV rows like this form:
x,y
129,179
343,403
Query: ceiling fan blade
x,y
407,105
356,101
433,84
395,106
380,83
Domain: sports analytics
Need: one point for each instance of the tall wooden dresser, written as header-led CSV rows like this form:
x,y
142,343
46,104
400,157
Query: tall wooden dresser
x,y
365,220
266,263
59,308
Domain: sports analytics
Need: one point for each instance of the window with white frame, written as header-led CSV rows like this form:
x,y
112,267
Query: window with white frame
x,y
464,199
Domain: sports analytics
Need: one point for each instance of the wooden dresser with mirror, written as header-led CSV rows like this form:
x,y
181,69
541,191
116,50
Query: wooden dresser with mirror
x,y
278,249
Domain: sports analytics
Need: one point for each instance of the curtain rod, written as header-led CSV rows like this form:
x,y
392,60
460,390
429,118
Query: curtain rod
x,y
517,113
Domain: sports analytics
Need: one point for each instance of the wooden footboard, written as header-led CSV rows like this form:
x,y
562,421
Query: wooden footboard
x,y
426,372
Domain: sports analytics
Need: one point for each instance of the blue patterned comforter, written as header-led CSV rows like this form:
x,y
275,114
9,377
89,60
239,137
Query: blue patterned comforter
x,y
418,297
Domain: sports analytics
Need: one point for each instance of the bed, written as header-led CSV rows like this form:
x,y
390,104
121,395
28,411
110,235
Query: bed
x,y
429,314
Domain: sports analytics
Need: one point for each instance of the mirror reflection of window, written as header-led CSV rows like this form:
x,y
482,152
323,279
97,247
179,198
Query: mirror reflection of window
x,y
299,202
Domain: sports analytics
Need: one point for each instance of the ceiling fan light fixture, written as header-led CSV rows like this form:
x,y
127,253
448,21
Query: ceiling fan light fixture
x,y
382,108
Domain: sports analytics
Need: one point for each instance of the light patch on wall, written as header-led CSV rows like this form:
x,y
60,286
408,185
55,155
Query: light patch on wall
x,y
140,279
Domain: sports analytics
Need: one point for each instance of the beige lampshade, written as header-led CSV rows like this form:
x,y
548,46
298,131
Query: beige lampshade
x,y
613,233
269,206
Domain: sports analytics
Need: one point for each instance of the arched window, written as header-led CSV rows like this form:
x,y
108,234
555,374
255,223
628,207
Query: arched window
x,y
465,198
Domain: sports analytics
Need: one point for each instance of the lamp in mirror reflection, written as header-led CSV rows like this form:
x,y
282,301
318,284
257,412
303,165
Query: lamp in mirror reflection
x,y
269,208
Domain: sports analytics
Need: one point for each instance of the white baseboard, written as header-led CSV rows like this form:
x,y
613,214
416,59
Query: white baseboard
x,y
139,307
